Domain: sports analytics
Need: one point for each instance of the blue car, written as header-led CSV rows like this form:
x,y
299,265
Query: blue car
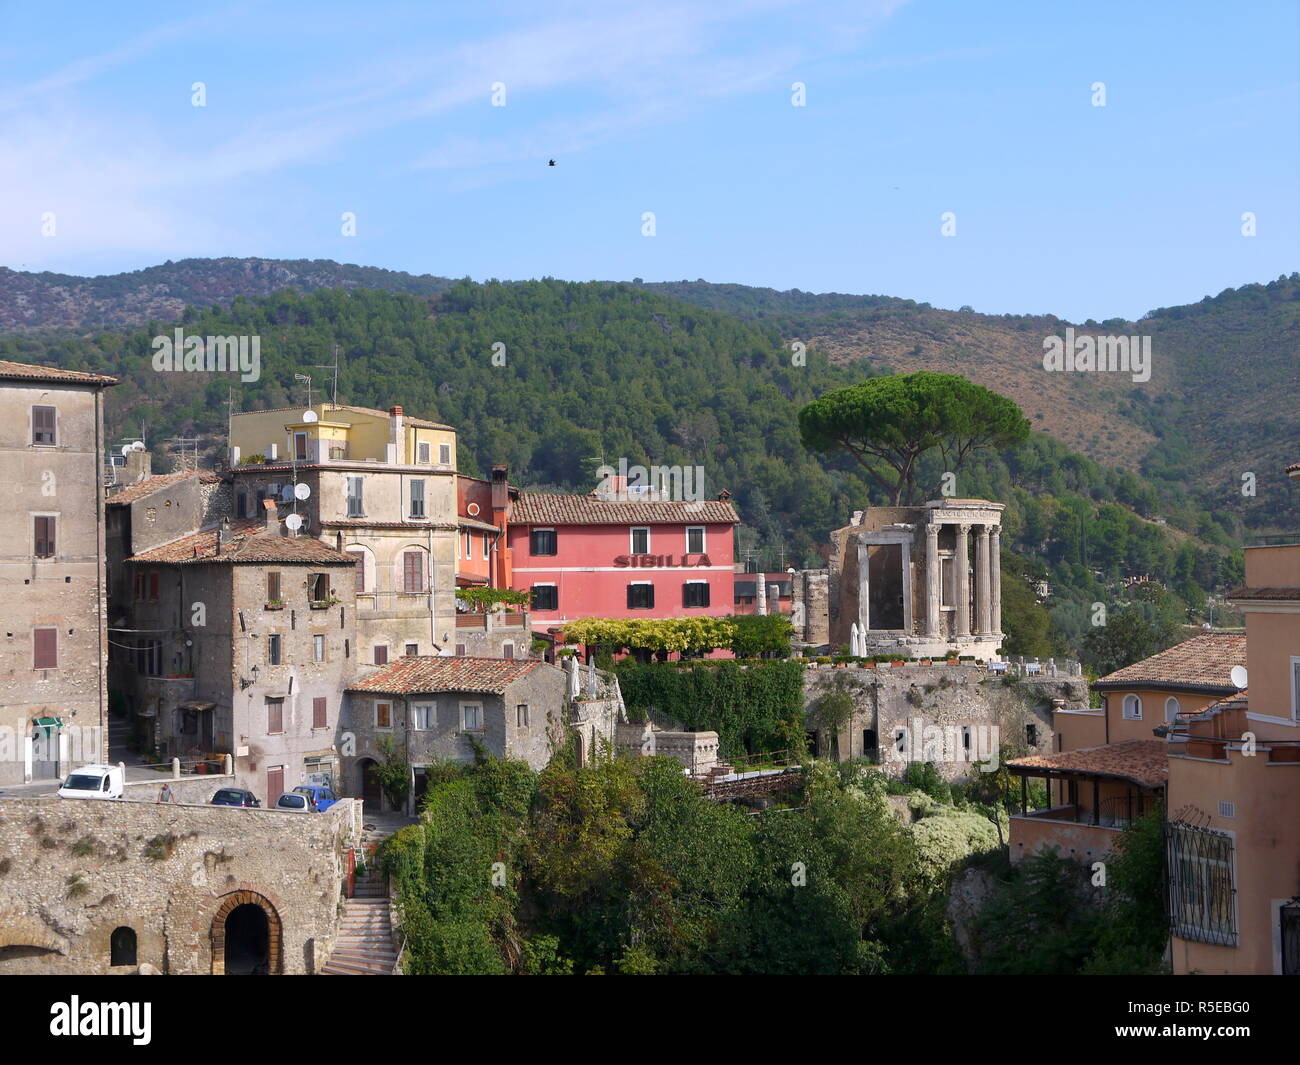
x,y
320,797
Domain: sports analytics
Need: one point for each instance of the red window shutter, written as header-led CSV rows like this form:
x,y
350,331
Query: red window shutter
x,y
360,556
43,537
318,713
46,648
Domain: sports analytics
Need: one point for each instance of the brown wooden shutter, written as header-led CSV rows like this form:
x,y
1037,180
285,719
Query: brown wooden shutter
x,y
360,556
46,648
274,784
43,425
43,537
381,654
318,713
274,715
413,571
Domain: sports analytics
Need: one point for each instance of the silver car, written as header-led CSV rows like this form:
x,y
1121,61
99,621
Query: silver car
x,y
296,802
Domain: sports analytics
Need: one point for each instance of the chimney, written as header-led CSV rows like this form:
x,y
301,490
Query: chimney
x,y
272,513
398,437
500,489
139,466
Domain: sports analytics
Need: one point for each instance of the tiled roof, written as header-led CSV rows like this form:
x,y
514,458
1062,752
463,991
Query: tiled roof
x,y
1279,593
1240,701
1203,663
417,674
1144,762
242,543
366,523
422,423
149,485
24,371
535,508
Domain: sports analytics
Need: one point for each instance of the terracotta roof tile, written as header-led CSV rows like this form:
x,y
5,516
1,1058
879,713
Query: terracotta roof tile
x,y
1203,663
1144,762
27,372
1278,593
535,508
417,674
243,543
148,486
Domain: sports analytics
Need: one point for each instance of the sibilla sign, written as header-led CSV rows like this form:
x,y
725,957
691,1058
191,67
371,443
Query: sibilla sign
x,y
661,561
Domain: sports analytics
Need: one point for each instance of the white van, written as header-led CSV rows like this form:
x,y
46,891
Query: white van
x,y
94,782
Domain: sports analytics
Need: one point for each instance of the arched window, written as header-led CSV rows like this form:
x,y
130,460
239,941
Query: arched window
x,y
121,946
1171,708
1132,708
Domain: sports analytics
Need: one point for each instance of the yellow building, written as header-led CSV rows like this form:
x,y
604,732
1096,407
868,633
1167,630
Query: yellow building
x,y
378,485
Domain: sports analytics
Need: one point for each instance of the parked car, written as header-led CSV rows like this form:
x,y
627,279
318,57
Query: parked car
x,y
235,797
93,782
322,796
297,802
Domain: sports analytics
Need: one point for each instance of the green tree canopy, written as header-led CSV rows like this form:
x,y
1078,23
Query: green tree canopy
x,y
888,423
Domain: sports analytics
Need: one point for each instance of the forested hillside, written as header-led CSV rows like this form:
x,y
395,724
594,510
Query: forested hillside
x,y
597,372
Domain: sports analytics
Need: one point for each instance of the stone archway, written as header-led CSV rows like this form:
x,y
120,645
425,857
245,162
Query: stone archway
x,y
274,930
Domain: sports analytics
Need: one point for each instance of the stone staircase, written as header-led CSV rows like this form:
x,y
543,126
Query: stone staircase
x,y
364,946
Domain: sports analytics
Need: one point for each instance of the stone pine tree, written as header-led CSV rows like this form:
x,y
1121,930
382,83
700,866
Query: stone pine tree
x,y
888,423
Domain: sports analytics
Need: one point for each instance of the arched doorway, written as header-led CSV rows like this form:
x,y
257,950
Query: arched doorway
x,y
246,936
372,795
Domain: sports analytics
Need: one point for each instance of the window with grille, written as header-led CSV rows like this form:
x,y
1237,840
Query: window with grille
x,y
413,571
695,593
1202,893
640,596
43,536
44,429
542,542
412,649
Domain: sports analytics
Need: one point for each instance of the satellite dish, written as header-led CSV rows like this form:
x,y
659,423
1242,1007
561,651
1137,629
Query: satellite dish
x,y
309,416
127,449
293,522
1238,676
301,491
138,446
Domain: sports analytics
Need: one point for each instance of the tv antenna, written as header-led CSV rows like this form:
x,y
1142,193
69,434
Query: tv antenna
x,y
334,366
307,378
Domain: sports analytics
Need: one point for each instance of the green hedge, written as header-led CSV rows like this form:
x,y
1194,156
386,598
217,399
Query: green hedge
x,y
754,710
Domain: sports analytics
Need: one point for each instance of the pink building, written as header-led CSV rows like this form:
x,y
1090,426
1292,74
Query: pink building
x,y
582,556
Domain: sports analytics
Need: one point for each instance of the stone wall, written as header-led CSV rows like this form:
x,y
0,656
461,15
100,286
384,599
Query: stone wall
x,y
74,870
953,698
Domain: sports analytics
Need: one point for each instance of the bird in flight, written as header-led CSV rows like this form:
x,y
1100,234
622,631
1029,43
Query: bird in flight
x,y
551,163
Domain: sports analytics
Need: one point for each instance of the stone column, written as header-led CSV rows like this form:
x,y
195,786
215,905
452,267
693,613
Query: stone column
x,y
982,597
933,575
961,594
995,577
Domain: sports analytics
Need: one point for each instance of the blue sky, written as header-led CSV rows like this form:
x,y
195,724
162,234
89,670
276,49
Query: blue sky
x,y
684,110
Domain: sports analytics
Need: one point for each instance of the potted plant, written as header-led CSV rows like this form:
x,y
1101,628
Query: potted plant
x,y
275,604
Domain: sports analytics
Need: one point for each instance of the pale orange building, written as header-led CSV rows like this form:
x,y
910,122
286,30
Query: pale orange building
x,y
1234,793
1111,765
